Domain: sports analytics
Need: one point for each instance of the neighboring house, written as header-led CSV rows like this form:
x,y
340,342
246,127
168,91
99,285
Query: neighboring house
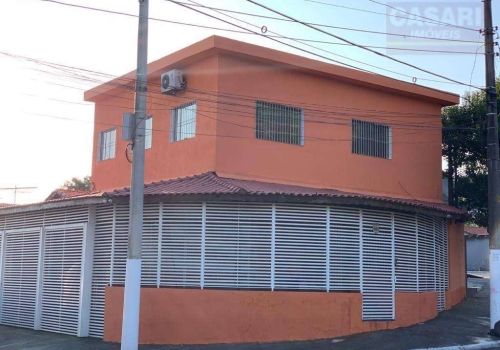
x,y
268,176
478,248
62,193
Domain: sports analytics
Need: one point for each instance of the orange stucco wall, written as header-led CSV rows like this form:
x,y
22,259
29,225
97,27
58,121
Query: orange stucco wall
x,y
414,170
193,316
164,159
456,264
415,166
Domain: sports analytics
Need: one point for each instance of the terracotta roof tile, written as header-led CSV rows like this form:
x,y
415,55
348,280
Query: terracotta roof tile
x,y
62,193
210,183
479,231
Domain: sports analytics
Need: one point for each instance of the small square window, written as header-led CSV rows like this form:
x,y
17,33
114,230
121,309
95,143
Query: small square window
x,y
371,139
183,122
279,123
107,144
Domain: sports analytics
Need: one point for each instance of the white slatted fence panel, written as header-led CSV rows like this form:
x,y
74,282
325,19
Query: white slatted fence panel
x,y
20,278
344,249
101,267
62,262
441,253
426,260
120,236
24,220
181,249
300,252
66,216
405,245
150,244
238,245
378,266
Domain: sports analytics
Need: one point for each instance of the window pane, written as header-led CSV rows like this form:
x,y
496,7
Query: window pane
x,y
149,132
112,146
107,144
371,139
185,122
280,123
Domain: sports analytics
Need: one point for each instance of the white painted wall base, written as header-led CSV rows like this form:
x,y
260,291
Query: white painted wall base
x,y
131,305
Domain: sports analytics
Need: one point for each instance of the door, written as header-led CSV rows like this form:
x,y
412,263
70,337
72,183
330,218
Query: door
x,y
377,265
20,271
61,276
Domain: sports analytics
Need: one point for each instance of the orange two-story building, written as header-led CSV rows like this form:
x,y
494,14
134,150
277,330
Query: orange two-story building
x,y
286,199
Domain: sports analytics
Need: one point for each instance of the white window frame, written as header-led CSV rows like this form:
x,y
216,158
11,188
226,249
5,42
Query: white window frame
x,y
178,130
148,132
104,145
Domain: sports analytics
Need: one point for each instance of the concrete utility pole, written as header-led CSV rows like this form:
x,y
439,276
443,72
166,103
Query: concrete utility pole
x,y
131,304
493,171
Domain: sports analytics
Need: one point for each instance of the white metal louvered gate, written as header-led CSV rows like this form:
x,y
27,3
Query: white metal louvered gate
x,y
41,270
20,277
377,265
218,245
61,276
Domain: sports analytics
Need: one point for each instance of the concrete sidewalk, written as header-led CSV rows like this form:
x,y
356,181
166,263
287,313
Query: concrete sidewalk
x,y
467,323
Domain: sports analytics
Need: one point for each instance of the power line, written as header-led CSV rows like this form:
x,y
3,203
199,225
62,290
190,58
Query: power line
x,y
239,113
315,112
338,27
383,14
298,40
221,11
284,37
329,109
423,17
361,46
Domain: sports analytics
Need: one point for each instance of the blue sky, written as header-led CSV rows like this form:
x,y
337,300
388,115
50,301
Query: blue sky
x,y
44,151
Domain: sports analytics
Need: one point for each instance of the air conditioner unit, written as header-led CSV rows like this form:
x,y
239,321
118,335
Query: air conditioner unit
x,y
172,81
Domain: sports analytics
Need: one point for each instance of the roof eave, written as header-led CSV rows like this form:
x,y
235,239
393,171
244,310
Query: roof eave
x,y
54,205
217,44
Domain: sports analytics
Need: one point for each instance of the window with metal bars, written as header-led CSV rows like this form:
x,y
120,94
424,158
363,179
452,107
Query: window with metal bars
x,y
107,144
279,123
371,139
183,122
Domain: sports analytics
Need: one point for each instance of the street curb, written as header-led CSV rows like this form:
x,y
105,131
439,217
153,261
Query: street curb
x,y
480,346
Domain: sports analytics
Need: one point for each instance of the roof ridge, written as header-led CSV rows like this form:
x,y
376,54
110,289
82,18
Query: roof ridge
x,y
221,181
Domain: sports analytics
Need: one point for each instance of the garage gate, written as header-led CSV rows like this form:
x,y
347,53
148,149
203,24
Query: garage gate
x,y
42,271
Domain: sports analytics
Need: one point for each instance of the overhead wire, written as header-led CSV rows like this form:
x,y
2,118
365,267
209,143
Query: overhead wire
x,y
361,46
252,115
415,17
339,27
342,118
383,14
246,31
309,45
326,114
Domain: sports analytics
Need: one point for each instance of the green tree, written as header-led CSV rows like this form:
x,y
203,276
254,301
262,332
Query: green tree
x,y
83,184
465,150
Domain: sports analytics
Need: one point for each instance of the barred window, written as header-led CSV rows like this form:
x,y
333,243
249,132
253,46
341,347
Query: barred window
x,y
183,122
107,144
279,123
371,139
